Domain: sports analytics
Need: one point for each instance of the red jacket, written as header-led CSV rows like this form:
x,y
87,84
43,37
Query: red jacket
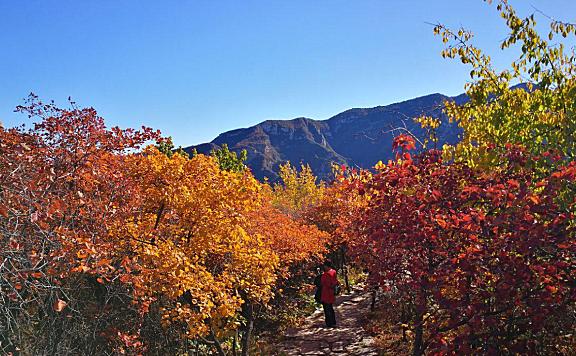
x,y
328,282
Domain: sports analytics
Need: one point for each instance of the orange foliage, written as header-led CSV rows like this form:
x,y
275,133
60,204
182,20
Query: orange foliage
x,y
207,239
192,241
292,241
83,211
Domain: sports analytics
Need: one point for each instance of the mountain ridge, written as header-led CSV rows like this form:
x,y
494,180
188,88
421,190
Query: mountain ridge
x,y
355,137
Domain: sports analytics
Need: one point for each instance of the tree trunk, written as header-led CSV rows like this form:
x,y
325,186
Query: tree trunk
x,y
344,268
373,302
404,319
248,310
234,341
421,299
417,349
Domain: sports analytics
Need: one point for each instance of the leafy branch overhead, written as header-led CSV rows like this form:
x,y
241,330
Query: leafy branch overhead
x,y
529,104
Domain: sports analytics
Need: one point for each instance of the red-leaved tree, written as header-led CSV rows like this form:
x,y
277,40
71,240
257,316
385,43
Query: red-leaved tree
x,y
483,262
61,186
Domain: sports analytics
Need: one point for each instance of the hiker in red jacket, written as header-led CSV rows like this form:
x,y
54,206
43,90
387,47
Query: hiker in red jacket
x,y
328,283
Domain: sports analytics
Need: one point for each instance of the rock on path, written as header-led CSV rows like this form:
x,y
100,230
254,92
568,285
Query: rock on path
x,y
348,338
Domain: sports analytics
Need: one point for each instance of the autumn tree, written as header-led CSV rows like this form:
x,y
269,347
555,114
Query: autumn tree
x,y
209,243
61,187
529,104
191,237
105,247
482,262
298,190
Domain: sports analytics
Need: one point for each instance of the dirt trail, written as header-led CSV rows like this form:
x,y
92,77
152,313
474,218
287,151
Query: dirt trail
x,y
348,338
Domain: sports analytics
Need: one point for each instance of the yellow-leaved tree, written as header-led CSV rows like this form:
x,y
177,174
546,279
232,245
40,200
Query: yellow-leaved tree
x,y
298,191
529,105
210,245
198,261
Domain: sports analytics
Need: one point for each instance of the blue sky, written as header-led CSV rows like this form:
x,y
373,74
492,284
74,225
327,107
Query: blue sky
x,y
196,68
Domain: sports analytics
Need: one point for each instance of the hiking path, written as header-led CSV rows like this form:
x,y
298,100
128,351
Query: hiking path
x,y
348,338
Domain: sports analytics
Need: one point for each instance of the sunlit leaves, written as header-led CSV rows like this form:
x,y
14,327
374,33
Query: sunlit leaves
x,y
208,239
191,236
61,186
460,246
298,191
84,212
537,115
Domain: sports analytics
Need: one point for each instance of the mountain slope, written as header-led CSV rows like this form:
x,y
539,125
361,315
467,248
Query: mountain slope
x,y
356,137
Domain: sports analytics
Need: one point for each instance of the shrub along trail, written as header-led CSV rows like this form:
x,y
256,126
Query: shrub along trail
x,y
349,338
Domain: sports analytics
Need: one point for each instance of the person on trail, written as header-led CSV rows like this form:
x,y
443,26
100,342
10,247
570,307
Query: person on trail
x,y
328,282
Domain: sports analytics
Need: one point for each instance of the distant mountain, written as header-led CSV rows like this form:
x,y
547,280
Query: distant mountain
x,y
356,137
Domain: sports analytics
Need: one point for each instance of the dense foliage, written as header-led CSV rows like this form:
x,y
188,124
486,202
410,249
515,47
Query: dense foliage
x,y
105,246
529,104
109,244
478,251
484,260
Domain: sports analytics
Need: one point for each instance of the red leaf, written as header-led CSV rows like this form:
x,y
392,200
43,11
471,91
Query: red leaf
x,y
513,183
14,244
55,207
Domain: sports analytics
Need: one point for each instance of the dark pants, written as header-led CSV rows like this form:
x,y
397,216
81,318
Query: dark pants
x,y
329,314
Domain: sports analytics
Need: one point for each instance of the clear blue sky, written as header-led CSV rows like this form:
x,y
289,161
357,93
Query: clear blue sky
x,y
196,68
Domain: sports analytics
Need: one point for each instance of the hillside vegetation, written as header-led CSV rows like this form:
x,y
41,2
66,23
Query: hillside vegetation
x,y
112,242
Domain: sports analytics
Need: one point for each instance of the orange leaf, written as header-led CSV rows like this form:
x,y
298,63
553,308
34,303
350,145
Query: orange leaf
x,y
56,206
59,305
441,222
103,262
80,268
552,289
3,211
